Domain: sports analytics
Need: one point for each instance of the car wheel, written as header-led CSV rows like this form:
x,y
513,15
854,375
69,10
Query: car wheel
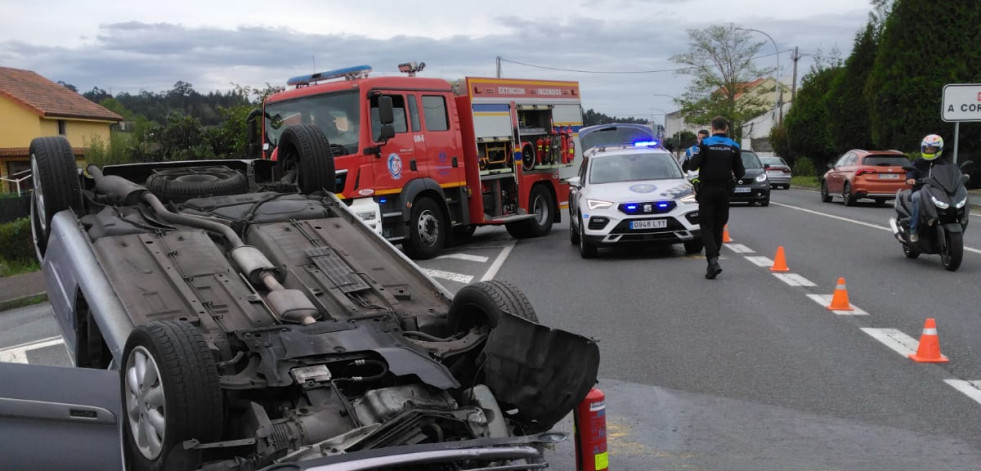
x,y
56,185
427,230
482,303
825,196
846,195
305,153
171,395
573,231
181,184
694,246
586,249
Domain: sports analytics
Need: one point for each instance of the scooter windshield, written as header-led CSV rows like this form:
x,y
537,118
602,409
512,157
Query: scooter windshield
x,y
947,177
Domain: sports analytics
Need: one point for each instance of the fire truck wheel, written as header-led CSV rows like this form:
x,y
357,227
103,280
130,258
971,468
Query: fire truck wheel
x,y
542,205
56,185
427,230
305,154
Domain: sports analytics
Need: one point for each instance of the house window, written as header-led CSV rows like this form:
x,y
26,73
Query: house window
x,y
61,127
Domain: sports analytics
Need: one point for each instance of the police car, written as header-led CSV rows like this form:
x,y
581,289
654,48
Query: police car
x,y
635,194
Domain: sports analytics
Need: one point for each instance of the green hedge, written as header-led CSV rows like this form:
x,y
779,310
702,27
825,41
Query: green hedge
x,y
16,246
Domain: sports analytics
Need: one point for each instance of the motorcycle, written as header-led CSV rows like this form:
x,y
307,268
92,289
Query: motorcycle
x,y
944,214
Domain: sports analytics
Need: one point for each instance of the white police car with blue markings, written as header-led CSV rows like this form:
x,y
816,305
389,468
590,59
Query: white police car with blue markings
x,y
632,195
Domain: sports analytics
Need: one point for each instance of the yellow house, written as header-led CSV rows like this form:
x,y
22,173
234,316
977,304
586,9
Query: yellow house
x,y
33,106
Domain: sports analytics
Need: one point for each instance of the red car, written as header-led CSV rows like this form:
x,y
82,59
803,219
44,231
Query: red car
x,y
874,174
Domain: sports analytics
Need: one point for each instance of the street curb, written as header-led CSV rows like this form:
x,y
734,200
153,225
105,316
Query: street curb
x,y
22,301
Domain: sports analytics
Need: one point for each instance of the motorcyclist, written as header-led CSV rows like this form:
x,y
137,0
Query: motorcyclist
x,y
931,150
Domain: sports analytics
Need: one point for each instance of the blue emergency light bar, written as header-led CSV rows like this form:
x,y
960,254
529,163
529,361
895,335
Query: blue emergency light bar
x,y
347,72
646,144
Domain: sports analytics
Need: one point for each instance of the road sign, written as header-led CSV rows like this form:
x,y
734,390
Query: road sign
x,y
962,102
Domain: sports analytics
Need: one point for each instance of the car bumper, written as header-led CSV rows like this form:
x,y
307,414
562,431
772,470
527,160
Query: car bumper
x,y
750,193
679,227
877,189
778,179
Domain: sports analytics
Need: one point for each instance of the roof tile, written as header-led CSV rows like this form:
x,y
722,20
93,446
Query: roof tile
x,y
49,99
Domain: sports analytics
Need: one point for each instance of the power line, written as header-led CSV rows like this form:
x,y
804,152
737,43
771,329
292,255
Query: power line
x,y
594,71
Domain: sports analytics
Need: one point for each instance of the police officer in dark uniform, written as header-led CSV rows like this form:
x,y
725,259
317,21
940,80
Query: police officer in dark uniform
x,y
719,163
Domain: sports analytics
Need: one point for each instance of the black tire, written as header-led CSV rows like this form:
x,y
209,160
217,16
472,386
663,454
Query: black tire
x,y
183,398
694,246
573,232
880,201
181,184
304,149
846,195
482,303
427,230
56,185
910,251
825,196
765,202
586,249
953,253
464,233
542,205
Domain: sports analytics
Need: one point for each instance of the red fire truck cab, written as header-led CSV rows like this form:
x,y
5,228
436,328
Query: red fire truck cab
x,y
422,160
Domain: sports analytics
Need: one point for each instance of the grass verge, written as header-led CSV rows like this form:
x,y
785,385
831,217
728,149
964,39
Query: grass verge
x,y
805,182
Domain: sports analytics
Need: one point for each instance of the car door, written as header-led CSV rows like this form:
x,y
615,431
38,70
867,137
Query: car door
x,y
836,177
54,417
575,194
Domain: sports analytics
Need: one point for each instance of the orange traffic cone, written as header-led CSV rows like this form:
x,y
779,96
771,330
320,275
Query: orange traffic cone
x,y
839,302
725,234
779,262
929,349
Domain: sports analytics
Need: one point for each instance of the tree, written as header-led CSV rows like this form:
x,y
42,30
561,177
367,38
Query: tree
x,y
807,122
68,86
923,47
848,105
720,60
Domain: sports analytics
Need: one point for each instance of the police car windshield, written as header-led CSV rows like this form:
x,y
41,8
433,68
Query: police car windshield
x,y
750,160
633,167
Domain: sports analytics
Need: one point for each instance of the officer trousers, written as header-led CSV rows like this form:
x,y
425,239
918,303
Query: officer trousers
x,y
713,214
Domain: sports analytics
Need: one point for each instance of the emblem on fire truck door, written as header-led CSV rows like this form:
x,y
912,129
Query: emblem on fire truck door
x,y
395,166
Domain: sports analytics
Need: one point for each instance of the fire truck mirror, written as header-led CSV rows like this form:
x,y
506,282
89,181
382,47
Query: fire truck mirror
x,y
385,112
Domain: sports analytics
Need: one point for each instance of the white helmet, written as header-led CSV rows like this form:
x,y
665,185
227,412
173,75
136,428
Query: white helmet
x,y
935,142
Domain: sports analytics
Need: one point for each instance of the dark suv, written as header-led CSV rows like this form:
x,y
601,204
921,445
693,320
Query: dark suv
x,y
754,187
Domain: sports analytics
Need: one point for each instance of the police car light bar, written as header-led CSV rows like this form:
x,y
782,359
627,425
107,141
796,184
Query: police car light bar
x,y
348,73
646,144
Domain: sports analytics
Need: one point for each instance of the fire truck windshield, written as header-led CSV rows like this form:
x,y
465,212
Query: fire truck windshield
x,y
337,114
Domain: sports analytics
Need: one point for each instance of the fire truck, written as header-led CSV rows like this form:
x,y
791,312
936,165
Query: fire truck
x,y
424,161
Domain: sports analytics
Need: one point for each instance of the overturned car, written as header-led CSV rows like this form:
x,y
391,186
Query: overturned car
x,y
256,323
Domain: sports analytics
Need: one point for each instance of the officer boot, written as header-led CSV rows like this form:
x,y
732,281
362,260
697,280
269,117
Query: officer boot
x,y
713,269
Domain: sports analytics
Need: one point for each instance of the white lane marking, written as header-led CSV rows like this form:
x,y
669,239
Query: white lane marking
x,y
739,248
446,275
794,279
825,300
895,339
18,353
492,271
761,261
860,223
467,257
969,388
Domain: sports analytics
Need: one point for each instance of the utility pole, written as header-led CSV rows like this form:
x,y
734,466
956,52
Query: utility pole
x,y
499,67
793,87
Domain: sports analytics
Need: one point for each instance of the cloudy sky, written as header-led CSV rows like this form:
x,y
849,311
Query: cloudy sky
x,y
607,45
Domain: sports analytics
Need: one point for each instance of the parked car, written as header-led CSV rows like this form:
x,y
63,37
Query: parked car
x,y
875,174
246,325
632,195
777,171
754,187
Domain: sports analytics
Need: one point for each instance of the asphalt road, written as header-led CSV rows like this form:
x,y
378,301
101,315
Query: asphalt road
x,y
746,372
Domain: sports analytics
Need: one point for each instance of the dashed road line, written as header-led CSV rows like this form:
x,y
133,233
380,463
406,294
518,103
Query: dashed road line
x,y
825,300
447,275
968,388
794,279
739,248
895,339
467,257
498,262
18,353
761,261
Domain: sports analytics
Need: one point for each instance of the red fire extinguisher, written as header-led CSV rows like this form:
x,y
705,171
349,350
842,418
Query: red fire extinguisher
x,y
542,144
590,422
571,154
564,138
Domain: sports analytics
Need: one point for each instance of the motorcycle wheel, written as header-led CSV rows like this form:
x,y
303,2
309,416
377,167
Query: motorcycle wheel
x,y
910,251
953,253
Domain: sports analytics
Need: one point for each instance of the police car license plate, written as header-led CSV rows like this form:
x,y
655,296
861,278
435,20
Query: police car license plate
x,y
649,224
888,176
742,189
